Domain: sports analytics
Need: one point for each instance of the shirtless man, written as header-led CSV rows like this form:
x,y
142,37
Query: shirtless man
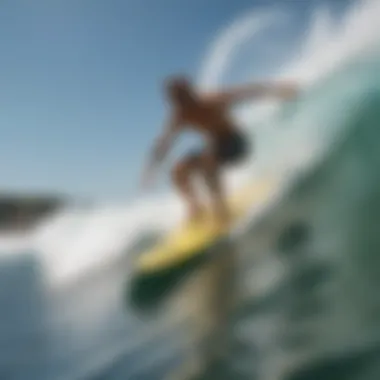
x,y
209,115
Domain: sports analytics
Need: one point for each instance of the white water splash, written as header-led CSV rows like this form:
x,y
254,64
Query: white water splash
x,y
226,45
330,44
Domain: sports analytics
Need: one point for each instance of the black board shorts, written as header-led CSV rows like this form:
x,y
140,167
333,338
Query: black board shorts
x,y
229,149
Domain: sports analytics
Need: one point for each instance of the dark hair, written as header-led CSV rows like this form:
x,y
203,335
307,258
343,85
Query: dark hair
x,y
178,83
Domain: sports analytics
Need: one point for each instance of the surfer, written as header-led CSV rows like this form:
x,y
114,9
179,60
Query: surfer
x,y
207,114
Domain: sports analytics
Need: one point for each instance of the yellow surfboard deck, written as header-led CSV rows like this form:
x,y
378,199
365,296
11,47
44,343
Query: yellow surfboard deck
x,y
189,239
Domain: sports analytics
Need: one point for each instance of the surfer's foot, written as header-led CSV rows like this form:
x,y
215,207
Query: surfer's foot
x,y
196,212
222,217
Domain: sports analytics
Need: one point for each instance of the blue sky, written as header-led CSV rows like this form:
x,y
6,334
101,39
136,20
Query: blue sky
x,y
80,84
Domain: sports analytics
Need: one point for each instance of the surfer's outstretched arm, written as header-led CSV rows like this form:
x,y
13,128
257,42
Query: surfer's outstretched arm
x,y
284,90
162,146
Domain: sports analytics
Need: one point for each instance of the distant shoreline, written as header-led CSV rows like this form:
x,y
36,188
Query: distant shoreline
x,y
21,212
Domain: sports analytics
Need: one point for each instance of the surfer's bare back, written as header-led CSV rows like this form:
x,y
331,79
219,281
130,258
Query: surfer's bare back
x,y
208,114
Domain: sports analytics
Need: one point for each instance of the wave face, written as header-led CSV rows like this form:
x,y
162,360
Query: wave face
x,y
311,262
320,317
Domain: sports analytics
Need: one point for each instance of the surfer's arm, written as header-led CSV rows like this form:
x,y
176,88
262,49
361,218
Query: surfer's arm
x,y
283,90
165,140
163,144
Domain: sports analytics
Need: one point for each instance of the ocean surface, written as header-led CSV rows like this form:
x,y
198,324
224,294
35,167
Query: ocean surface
x,y
309,270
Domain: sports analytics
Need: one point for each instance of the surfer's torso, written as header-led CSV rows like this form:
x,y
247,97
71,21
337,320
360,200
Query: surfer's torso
x,y
209,118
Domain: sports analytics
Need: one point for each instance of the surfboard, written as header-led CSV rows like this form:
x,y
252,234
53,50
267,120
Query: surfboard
x,y
191,239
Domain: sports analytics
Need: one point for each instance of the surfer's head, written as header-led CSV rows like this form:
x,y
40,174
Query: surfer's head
x,y
180,90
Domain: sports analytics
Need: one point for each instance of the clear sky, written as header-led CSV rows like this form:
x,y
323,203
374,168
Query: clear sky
x,y
80,84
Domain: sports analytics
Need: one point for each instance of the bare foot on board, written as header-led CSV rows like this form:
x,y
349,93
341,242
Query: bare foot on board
x,y
222,218
196,213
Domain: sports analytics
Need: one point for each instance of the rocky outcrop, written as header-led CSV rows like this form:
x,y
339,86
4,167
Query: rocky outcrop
x,y
20,212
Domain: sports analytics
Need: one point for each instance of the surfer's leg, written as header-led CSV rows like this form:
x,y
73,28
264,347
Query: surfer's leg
x,y
182,175
225,151
211,168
